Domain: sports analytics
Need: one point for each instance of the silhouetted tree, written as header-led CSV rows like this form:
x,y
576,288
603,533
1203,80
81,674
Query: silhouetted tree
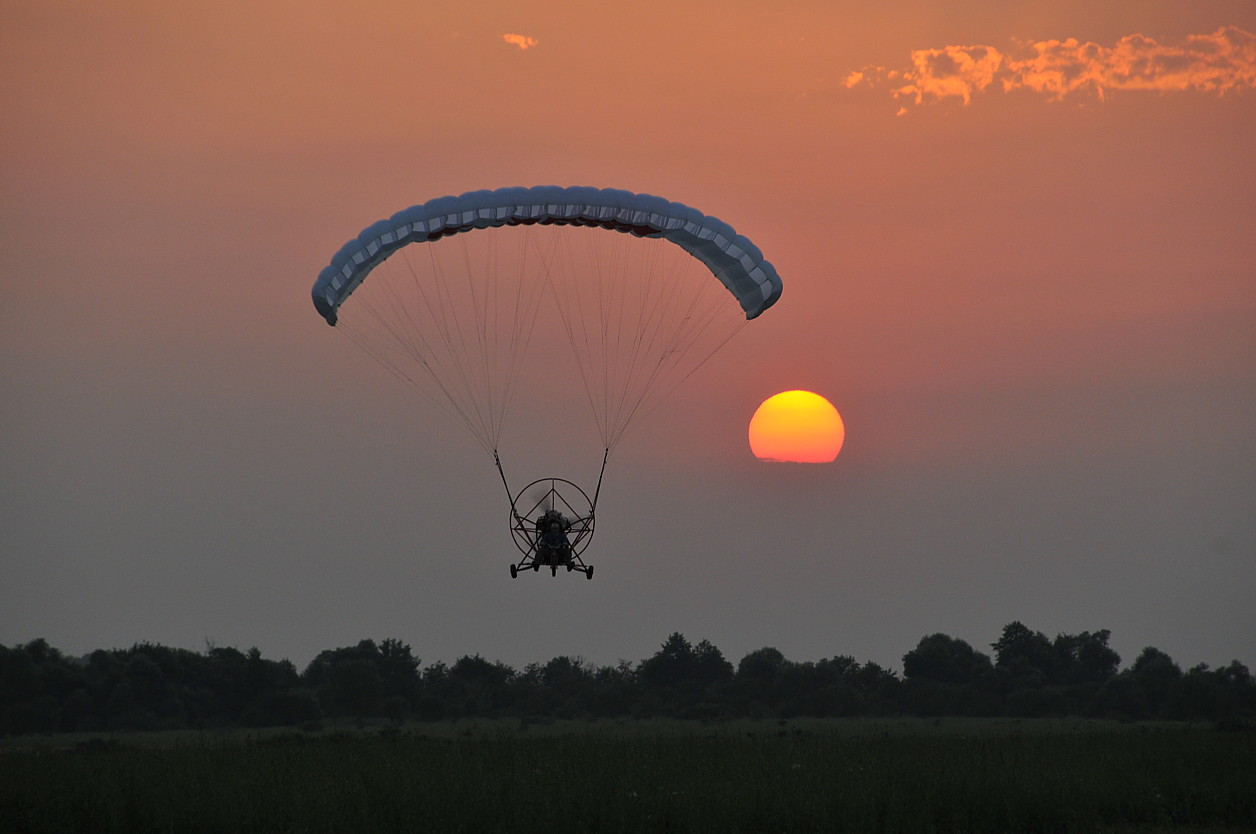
x,y
1025,656
881,686
681,678
946,676
398,670
710,668
1086,657
28,702
1157,675
436,698
671,665
615,690
831,687
366,679
946,660
561,687
759,677
479,687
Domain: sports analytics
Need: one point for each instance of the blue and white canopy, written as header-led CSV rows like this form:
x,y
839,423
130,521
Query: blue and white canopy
x,y
731,257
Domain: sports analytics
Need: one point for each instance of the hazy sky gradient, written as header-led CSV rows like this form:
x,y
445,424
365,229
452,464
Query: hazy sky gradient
x,y
1037,317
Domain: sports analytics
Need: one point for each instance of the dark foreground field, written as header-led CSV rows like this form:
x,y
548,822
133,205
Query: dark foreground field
x,y
861,775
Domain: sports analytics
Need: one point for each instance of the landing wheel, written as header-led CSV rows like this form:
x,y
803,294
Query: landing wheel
x,y
553,570
589,573
514,572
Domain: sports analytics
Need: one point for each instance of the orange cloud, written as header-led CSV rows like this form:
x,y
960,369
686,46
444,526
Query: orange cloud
x,y
521,41
1222,62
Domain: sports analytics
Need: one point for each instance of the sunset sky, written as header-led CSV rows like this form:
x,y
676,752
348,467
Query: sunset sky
x,y
1018,252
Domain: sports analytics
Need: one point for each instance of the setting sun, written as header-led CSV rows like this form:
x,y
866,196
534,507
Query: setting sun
x,y
796,426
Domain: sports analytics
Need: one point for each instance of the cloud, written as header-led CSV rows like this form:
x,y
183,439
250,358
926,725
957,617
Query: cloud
x,y
1222,62
521,41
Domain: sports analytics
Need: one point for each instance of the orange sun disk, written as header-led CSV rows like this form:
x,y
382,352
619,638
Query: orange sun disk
x,y
796,426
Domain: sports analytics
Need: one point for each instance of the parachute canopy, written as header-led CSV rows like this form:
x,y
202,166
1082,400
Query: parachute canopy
x,y
731,257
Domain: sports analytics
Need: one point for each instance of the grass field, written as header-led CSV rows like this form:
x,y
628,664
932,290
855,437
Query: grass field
x,y
858,775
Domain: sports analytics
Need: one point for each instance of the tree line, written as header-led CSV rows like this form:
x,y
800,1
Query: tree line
x,y
154,687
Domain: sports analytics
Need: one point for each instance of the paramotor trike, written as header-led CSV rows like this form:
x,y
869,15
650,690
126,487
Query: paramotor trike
x,y
551,522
